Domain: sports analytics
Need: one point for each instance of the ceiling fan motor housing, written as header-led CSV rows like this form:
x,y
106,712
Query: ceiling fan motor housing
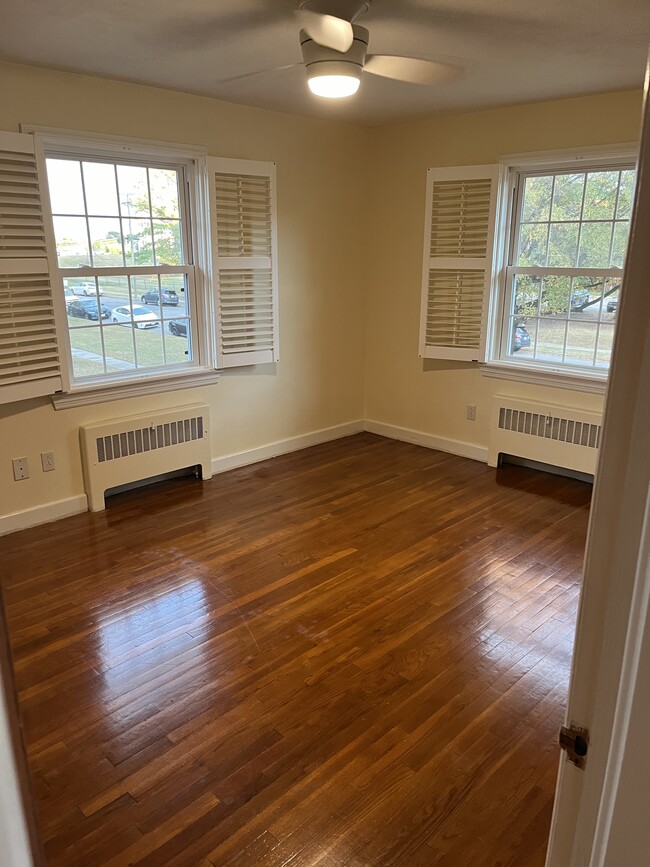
x,y
319,60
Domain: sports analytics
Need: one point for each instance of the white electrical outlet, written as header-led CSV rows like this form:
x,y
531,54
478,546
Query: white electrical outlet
x,y
47,461
471,412
21,469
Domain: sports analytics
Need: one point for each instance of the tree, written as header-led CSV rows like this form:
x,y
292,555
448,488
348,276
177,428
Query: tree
x,y
551,235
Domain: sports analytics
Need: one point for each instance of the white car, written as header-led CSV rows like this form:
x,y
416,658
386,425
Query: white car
x,y
139,317
69,295
87,288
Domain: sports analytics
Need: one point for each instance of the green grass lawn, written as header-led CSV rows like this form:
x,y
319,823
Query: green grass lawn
x,y
153,348
580,344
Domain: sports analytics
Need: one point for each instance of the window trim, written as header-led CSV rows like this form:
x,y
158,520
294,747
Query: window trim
x,y
138,388
513,165
79,144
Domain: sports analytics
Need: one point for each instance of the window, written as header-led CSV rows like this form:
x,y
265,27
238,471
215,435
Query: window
x,y
564,268
147,266
523,265
125,256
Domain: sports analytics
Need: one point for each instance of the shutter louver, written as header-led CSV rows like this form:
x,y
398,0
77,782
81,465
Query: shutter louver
x,y
29,353
244,260
457,270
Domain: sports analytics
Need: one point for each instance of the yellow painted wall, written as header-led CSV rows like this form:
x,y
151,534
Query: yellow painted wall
x,y
351,212
318,382
431,396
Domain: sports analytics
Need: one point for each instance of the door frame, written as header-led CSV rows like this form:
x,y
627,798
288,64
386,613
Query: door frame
x,y
616,569
22,843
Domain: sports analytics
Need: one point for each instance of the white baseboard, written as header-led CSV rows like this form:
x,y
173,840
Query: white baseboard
x,y
419,438
283,447
75,505
43,514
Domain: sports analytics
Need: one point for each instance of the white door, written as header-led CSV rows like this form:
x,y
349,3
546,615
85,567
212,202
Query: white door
x,y
602,813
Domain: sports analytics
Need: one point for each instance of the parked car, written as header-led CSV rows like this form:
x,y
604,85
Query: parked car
x,y
139,317
168,296
579,298
178,327
612,305
69,295
87,288
88,308
520,338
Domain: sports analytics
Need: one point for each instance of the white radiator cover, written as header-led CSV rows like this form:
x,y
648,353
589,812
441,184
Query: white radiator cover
x,y
551,434
130,449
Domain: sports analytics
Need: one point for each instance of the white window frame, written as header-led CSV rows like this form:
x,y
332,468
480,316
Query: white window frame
x,y
191,160
513,166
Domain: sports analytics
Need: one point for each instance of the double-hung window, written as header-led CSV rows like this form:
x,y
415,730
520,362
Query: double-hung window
x,y
565,266
128,266
126,258
523,265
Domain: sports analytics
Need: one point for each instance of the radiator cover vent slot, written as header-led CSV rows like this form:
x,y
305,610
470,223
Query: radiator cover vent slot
x,y
134,442
548,426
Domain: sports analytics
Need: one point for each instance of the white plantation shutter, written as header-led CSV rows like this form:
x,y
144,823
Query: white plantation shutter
x,y
461,205
244,260
29,353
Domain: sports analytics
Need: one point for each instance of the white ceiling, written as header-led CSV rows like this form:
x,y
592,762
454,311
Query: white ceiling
x,y
513,50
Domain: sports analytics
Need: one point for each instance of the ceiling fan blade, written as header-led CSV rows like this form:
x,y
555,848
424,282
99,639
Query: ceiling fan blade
x,y
326,30
249,75
411,69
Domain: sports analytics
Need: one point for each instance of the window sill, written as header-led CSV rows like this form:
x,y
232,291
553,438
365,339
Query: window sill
x,y
141,388
549,377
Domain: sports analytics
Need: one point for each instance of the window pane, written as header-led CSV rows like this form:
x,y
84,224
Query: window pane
x,y
163,184
586,298
526,295
537,199
64,182
584,290
87,353
177,341
594,245
142,287
532,244
133,191
563,245
567,197
600,196
555,296
106,240
138,248
118,343
167,241
551,334
115,290
626,194
101,189
71,241
149,346
611,300
581,342
619,246
605,343
522,337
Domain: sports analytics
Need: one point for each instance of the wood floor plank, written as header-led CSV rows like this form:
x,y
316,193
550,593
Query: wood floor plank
x,y
357,654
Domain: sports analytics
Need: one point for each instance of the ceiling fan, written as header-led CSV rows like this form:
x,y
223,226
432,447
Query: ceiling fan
x,y
334,50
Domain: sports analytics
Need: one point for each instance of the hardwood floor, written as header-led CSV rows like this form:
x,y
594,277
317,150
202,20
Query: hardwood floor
x,y
353,655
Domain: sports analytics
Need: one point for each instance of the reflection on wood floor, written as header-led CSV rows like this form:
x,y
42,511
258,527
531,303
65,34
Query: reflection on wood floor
x,y
352,655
